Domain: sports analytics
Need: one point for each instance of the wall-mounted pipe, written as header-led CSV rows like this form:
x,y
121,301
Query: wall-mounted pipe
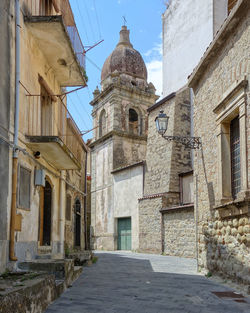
x,y
62,213
16,130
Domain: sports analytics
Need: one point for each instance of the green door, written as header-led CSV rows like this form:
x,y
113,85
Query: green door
x,y
124,233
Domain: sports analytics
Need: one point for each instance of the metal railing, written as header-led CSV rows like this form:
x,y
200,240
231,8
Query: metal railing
x,y
34,8
45,117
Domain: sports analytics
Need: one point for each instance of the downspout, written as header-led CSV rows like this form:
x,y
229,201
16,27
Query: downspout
x,y
62,213
16,130
85,205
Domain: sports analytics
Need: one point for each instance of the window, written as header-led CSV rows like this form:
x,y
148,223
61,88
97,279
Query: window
x,y
46,113
24,188
102,123
68,208
186,188
235,156
232,143
133,122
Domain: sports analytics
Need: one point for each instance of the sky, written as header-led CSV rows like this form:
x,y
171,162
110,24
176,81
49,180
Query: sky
x,y
98,20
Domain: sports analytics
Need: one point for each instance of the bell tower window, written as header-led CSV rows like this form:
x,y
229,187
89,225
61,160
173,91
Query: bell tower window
x,y
133,122
102,123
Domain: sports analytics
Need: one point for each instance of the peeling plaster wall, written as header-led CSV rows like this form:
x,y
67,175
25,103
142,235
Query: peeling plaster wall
x,y
102,220
184,43
128,188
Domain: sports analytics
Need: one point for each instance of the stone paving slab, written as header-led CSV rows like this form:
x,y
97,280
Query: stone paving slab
x,y
126,282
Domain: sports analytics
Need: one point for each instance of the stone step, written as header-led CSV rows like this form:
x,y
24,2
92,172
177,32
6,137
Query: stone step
x,y
60,287
43,256
80,257
77,272
60,268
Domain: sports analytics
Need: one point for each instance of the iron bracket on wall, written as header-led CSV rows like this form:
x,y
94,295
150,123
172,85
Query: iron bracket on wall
x,y
189,142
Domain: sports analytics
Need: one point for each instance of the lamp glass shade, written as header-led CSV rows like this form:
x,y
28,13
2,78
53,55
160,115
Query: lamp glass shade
x,y
162,123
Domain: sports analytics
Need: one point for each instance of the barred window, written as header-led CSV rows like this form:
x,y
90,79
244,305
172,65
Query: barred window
x,y
235,156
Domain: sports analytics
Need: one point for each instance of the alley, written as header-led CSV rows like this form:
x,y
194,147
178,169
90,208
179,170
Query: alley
x,y
129,282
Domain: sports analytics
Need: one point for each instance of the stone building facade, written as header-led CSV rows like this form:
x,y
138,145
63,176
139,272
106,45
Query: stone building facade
x,y
48,162
166,219
221,118
119,147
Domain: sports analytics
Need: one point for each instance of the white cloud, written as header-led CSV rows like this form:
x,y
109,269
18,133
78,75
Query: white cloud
x,y
155,74
153,60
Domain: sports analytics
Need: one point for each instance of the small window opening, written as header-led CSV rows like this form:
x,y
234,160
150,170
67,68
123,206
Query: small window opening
x,y
133,122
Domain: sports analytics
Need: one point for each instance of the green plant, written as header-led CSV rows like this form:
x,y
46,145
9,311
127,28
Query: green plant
x,y
66,250
5,274
209,274
94,259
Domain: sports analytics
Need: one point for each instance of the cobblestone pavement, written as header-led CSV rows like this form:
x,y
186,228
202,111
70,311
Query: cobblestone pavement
x,y
140,283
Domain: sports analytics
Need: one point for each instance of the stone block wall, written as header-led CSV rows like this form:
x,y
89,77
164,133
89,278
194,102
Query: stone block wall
x,y
150,237
223,225
224,247
179,233
159,153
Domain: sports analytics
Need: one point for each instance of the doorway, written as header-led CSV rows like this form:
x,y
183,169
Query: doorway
x,y
46,215
124,233
77,223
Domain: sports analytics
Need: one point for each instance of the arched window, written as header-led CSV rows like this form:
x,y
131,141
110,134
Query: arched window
x,y
102,123
133,122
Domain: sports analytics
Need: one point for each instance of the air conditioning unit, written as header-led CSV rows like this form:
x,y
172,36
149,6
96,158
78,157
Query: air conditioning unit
x,y
40,178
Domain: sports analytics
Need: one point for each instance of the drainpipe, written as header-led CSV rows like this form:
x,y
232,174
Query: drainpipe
x,y
85,206
15,149
62,213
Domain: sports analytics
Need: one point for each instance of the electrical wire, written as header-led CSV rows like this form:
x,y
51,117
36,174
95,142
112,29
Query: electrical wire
x,y
84,106
97,19
93,63
83,24
78,112
90,24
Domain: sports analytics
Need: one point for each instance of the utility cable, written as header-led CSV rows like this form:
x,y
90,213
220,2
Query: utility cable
x,y
84,106
90,24
97,19
78,112
83,24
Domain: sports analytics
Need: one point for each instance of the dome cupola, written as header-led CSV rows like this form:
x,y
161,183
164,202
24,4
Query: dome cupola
x,y
124,59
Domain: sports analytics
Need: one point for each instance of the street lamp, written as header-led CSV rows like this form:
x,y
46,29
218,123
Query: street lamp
x,y
161,122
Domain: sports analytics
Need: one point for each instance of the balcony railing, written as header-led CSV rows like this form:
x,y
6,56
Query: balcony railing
x,y
52,119
33,8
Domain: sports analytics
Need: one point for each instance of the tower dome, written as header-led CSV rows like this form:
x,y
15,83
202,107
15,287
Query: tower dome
x,y
124,59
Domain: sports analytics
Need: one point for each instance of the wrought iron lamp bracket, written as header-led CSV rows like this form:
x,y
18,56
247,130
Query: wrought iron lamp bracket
x,y
189,142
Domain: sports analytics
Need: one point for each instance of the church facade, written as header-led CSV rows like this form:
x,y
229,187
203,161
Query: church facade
x,y
118,149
